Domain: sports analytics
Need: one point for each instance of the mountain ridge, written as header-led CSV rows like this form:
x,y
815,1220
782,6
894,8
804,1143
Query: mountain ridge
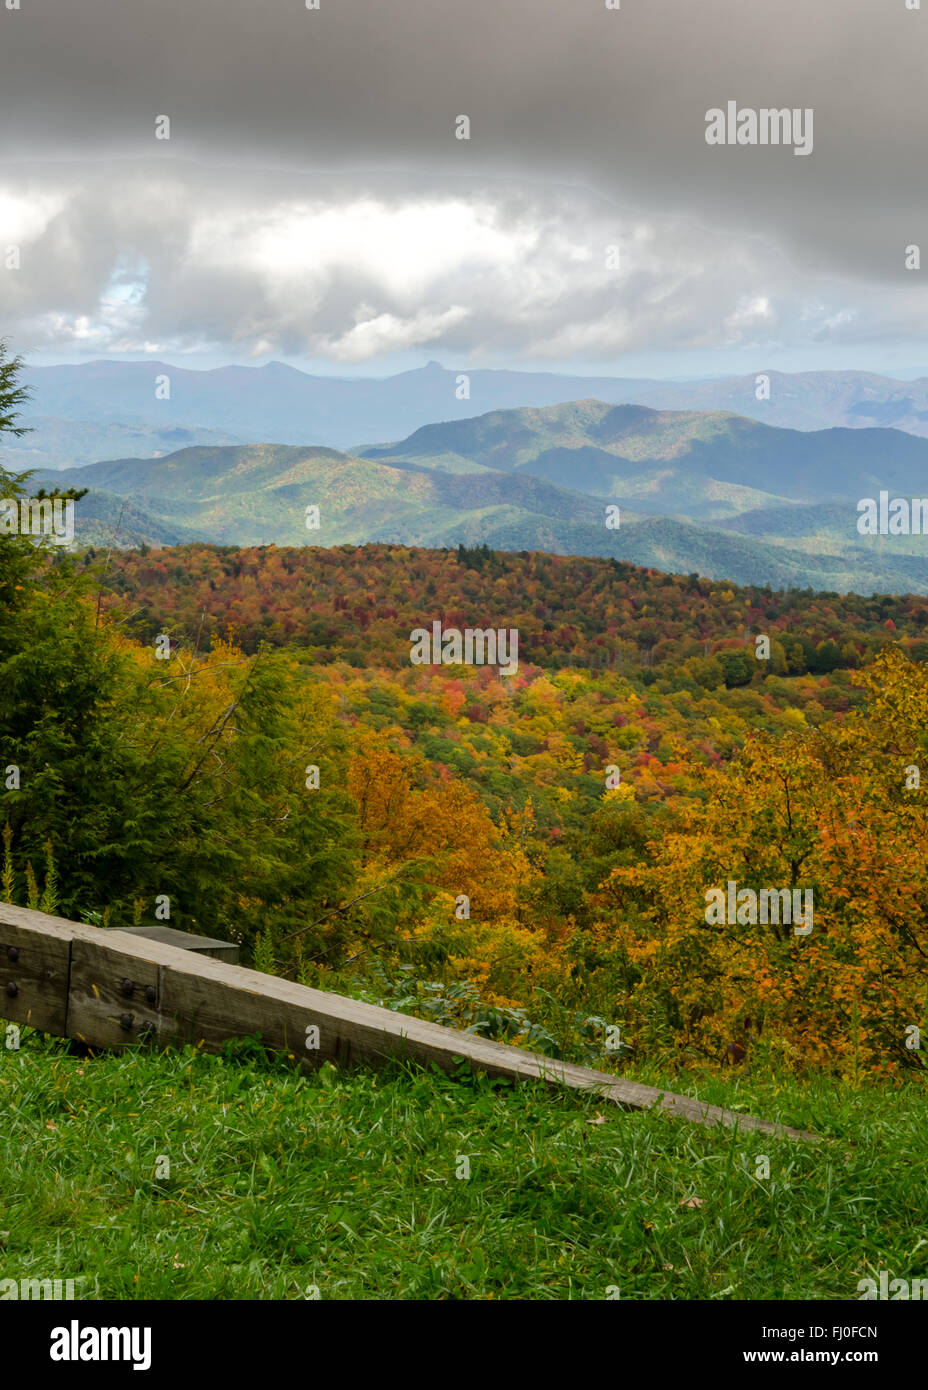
x,y
278,401
675,515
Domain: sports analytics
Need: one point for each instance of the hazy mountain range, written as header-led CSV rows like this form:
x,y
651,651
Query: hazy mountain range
x,y
705,492
100,410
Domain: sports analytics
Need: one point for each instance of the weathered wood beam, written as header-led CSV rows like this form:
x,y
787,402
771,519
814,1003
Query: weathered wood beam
x,y
114,989
35,962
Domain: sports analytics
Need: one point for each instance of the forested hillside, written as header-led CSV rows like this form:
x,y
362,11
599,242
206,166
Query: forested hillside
x,y
705,492
700,463
359,603
525,854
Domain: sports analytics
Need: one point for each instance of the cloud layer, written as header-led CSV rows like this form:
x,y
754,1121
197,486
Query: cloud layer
x,y
313,198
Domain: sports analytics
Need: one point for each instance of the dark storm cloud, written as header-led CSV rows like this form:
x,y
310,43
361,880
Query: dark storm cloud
x,y
555,88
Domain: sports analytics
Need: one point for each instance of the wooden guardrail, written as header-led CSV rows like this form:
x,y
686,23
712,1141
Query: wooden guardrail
x,y
113,989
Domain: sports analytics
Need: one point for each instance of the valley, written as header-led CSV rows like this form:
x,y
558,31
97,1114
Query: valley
x,y
699,492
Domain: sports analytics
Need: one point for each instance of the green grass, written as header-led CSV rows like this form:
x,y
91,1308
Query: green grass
x,y
347,1181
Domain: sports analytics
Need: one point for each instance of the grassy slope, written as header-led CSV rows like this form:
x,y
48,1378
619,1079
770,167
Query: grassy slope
x,y
347,1181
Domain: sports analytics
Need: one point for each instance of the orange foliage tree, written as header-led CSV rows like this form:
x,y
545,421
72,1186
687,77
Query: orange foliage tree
x,y
836,811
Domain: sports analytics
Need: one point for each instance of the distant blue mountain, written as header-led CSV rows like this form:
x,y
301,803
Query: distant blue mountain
x,y
103,410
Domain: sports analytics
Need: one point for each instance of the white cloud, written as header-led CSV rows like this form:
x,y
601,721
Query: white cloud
x,y
121,260
26,215
384,333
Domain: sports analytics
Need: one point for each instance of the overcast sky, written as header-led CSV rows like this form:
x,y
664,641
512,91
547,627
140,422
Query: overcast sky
x,y
313,204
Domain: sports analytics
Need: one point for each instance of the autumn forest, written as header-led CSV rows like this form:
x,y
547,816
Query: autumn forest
x,y
529,855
